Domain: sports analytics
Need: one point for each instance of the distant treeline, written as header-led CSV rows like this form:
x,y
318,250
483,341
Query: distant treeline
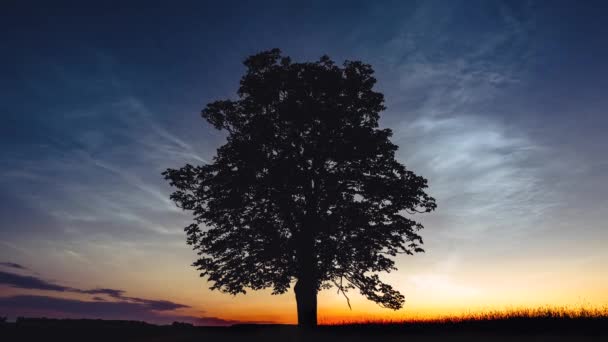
x,y
70,323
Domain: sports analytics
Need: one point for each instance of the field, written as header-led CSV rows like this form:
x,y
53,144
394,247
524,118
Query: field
x,y
543,324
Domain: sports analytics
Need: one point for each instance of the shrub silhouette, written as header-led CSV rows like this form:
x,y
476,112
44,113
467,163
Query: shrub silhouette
x,y
306,188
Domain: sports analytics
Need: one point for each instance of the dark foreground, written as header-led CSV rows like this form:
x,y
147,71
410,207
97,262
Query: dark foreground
x,y
499,330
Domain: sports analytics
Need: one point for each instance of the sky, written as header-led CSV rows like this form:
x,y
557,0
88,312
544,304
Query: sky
x,y
502,106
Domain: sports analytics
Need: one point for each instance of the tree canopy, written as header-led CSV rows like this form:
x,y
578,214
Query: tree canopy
x,y
306,186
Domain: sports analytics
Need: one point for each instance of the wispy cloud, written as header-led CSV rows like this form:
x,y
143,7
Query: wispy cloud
x,y
13,265
110,292
29,282
107,175
36,305
484,176
448,115
115,305
35,283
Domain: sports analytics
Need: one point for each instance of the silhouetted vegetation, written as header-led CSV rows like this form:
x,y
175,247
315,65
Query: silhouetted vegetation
x,y
548,313
306,188
182,325
519,325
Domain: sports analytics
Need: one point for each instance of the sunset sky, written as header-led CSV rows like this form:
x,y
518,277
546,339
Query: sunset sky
x,y
503,106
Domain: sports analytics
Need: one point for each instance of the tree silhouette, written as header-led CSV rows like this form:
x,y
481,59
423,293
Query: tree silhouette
x,y
306,187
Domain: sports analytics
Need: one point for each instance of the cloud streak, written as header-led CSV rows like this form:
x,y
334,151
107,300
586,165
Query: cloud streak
x,y
29,282
13,265
35,305
118,306
124,150
34,283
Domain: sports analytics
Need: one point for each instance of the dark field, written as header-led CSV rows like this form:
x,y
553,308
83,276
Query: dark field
x,y
507,329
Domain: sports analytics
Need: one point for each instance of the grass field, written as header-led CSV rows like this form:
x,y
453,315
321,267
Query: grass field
x,y
540,324
512,314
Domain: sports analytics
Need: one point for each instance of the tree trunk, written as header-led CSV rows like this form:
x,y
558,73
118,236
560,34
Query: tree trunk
x,y
306,299
306,286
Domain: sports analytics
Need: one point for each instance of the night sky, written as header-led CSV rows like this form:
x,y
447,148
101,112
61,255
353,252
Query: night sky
x,y
501,105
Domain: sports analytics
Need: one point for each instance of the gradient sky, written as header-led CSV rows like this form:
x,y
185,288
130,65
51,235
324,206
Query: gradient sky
x,y
503,106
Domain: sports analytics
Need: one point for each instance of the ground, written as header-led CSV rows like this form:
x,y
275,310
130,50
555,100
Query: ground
x,y
113,331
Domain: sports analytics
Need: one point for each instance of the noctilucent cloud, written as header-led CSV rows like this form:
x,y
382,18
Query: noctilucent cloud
x,y
501,104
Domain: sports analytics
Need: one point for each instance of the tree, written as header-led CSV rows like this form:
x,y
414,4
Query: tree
x,y
305,189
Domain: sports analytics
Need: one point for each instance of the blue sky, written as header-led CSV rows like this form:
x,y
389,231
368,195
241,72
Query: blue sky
x,y
501,105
